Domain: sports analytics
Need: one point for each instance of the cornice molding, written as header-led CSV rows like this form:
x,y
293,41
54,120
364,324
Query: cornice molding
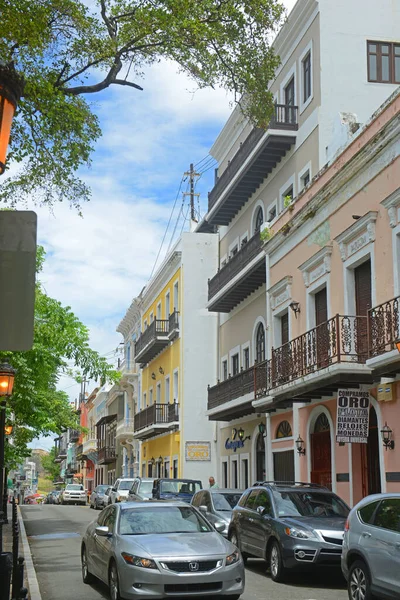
x,y
317,265
358,235
280,292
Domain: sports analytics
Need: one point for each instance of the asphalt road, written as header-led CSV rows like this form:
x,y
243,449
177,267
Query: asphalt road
x,y
54,534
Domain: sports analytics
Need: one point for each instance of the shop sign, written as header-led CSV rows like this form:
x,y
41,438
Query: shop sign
x,y
352,423
198,451
237,440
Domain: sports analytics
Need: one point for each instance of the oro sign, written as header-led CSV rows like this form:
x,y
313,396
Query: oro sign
x,y
352,424
198,450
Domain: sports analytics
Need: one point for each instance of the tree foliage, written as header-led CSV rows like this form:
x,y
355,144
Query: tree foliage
x,y
61,344
52,469
66,50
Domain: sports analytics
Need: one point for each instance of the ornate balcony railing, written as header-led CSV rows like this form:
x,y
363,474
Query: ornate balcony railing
x,y
157,414
243,257
106,454
341,339
125,427
285,117
233,387
383,327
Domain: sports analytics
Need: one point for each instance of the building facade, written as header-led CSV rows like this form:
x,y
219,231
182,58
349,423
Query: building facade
x,y
321,100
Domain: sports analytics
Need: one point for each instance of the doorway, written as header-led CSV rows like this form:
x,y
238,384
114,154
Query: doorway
x,y
370,465
321,328
321,456
363,296
260,457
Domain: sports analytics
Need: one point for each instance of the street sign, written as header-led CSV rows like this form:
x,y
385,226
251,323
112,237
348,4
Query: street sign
x,y
18,231
352,423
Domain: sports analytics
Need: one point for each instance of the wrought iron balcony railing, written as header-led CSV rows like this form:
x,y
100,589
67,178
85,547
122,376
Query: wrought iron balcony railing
x,y
383,327
152,340
157,414
243,257
341,339
233,387
285,117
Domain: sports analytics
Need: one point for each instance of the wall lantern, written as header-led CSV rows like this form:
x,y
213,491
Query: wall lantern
x,y
153,461
295,306
241,434
7,375
386,434
153,375
8,429
161,370
160,460
11,88
261,429
300,446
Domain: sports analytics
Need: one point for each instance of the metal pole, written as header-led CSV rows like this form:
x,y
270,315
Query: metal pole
x,y
2,440
5,496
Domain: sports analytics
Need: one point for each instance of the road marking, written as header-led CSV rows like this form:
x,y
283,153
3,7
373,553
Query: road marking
x,y
34,591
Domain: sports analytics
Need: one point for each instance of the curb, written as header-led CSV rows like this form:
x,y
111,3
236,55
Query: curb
x,y
34,591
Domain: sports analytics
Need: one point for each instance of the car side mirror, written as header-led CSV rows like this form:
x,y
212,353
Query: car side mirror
x,y
102,531
219,526
203,509
262,510
113,489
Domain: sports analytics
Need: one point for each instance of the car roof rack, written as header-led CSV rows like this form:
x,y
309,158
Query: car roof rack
x,y
291,483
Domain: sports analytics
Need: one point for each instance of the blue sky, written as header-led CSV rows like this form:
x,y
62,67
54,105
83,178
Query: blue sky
x,y
97,263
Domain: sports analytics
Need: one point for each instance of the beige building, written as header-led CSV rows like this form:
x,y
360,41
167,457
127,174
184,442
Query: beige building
x,y
321,97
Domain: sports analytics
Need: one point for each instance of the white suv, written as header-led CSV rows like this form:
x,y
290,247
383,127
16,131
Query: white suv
x,y
120,490
74,493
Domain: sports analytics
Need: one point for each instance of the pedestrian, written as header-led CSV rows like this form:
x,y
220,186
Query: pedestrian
x,y
213,483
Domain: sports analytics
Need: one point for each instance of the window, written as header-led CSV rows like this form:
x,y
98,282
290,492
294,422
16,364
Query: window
x,y
388,515
151,317
383,62
272,213
305,179
235,364
151,397
283,430
259,219
176,386
145,325
167,391
246,358
287,197
233,251
367,512
144,400
167,305
306,66
251,500
260,343
158,311
158,393
225,474
224,370
175,468
243,241
176,295
263,500
290,112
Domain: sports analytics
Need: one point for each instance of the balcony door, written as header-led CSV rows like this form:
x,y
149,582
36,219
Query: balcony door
x,y
321,328
363,293
289,102
321,459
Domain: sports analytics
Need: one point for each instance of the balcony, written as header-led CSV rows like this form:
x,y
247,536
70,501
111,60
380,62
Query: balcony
x,y
106,455
240,277
61,454
79,451
383,333
156,419
73,435
89,445
152,341
257,156
221,397
173,325
315,364
125,428
128,366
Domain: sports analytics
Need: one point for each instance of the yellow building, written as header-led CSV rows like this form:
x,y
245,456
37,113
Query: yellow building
x,y
176,351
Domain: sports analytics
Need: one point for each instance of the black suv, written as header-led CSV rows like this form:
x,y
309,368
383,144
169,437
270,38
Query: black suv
x,y
290,525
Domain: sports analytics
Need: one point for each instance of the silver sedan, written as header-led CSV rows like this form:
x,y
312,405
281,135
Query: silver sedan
x,y
160,549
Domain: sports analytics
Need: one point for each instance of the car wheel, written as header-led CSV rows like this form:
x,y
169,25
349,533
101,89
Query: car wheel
x,y
113,582
359,583
276,563
234,538
86,575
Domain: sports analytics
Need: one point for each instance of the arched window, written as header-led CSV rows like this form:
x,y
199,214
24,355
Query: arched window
x,y
259,219
260,343
283,430
321,424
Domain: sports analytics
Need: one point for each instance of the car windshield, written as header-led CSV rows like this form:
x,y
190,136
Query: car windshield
x,y
309,504
146,488
180,487
126,485
74,487
101,489
168,519
225,501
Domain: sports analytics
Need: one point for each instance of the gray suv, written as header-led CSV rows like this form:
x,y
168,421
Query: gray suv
x,y
290,525
141,490
371,548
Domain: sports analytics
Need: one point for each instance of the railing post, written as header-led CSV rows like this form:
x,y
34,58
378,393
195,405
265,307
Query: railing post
x,y
337,337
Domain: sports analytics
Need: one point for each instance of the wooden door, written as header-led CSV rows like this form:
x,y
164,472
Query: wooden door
x,y
321,330
321,459
362,279
285,367
284,466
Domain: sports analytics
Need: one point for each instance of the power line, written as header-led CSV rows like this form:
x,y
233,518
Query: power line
x,y
206,158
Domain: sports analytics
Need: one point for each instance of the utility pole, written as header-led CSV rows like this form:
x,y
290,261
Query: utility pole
x,y
191,174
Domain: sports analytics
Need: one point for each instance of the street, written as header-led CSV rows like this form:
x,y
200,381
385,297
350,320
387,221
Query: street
x,y
54,534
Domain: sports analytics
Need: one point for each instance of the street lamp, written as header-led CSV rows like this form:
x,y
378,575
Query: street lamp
x,y
11,88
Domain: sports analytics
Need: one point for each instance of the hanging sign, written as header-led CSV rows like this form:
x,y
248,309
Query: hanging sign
x,y
352,423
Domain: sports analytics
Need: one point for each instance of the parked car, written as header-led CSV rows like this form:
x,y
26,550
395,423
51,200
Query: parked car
x,y
74,493
291,526
144,550
217,505
50,498
371,548
141,490
120,490
57,496
97,496
175,489
105,500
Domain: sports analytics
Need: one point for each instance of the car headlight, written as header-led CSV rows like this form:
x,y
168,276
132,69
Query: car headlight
x,y
138,561
233,558
302,534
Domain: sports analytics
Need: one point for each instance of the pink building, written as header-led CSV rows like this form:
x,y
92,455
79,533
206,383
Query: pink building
x,y
332,321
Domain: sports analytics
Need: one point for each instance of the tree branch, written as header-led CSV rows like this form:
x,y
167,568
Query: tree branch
x,y
112,31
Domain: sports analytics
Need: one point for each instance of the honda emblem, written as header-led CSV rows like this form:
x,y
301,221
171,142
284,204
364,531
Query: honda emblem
x,y
193,566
